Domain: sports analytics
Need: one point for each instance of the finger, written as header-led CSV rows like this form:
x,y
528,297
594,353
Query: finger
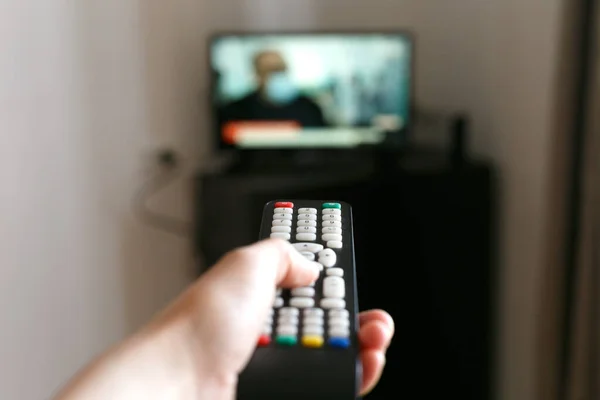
x,y
374,335
373,362
377,315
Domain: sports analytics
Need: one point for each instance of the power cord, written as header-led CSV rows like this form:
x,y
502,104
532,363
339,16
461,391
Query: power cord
x,y
169,171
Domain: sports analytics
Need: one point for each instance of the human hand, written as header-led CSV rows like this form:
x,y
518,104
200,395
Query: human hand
x,y
197,348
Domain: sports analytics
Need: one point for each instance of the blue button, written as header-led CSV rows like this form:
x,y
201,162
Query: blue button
x,y
340,343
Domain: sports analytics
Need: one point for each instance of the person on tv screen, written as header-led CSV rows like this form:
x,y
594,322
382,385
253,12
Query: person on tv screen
x,y
276,97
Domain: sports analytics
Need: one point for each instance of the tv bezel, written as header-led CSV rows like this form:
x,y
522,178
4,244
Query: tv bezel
x,y
216,133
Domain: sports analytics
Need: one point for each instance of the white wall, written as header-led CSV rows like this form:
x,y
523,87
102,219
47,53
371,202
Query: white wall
x,y
88,88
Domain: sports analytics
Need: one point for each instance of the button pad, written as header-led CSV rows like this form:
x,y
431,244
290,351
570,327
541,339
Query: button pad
x,y
314,316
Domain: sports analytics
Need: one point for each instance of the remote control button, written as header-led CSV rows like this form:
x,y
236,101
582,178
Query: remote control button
x,y
278,303
281,235
333,211
284,204
339,332
312,341
282,216
331,237
306,236
327,229
306,222
284,211
339,322
332,205
313,321
267,329
282,222
306,229
339,343
310,256
335,244
339,314
288,330
308,217
334,287
307,210
331,217
282,229
320,267
335,272
287,320
313,247
314,312
313,330
286,340
303,292
302,302
334,224
333,303
264,340
327,257
289,311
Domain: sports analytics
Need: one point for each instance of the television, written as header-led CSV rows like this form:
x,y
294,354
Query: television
x,y
311,90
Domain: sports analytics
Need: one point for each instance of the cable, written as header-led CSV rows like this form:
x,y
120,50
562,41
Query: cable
x,y
168,173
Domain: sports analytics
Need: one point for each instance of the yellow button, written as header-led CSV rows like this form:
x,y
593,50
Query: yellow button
x,y
312,341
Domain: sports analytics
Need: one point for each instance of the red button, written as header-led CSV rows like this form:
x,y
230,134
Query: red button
x,y
284,204
264,340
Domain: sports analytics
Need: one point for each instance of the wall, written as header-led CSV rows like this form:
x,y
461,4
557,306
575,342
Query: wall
x,y
88,88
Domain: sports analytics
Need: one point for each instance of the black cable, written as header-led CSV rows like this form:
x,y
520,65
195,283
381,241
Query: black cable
x,y
168,173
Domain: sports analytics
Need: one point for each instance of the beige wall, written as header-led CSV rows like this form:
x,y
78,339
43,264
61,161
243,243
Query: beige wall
x,y
90,87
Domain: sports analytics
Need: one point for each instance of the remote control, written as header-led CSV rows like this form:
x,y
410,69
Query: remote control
x,y
309,346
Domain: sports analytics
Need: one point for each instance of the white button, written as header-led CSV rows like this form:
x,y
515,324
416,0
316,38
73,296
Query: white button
x,y
306,229
313,312
312,329
337,231
289,311
269,320
282,216
278,302
327,257
282,222
271,312
341,322
334,224
334,287
267,330
331,217
306,236
281,235
307,210
319,266
310,256
333,211
339,332
339,314
331,236
283,211
287,330
287,320
308,217
306,222
313,321
302,302
314,247
335,244
335,272
333,303
284,229
303,292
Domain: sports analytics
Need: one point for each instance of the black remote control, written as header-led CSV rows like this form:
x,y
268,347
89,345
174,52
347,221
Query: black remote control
x,y
309,347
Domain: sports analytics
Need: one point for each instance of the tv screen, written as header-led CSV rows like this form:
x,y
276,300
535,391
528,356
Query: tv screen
x,y
288,91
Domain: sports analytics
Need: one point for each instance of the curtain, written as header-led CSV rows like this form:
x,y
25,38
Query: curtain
x,y
583,373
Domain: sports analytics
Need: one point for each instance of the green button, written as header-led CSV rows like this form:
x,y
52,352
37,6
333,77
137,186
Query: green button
x,y
287,340
332,205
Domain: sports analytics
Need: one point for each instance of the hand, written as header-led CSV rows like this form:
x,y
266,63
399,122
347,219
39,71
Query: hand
x,y
198,346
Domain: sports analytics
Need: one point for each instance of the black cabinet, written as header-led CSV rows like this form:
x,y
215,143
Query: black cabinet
x,y
424,244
